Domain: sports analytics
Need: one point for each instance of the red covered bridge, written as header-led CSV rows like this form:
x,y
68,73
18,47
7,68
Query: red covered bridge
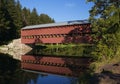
x,y
77,31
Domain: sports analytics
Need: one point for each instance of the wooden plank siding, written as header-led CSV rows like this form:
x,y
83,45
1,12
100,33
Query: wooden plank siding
x,y
80,33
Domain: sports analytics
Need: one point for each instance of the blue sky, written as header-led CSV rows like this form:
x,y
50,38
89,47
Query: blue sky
x,y
60,10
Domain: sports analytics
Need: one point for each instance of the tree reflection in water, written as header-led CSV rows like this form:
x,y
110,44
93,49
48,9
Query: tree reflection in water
x,y
11,73
8,66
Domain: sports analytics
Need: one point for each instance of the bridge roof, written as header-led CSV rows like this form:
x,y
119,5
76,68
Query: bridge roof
x,y
57,24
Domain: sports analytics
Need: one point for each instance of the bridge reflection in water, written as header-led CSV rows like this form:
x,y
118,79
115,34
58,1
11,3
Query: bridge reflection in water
x,y
59,65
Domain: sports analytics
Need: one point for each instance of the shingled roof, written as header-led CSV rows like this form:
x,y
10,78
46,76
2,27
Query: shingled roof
x,y
57,24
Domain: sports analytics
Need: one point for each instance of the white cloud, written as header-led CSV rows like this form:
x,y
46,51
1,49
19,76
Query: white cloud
x,y
70,5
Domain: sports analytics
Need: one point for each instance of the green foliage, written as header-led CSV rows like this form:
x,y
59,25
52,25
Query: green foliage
x,y
13,18
7,26
45,19
26,16
79,50
105,19
102,52
33,17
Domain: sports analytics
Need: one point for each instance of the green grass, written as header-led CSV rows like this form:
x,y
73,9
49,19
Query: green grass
x,y
64,49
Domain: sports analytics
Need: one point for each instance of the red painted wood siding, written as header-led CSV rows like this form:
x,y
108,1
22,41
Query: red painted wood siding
x,y
71,29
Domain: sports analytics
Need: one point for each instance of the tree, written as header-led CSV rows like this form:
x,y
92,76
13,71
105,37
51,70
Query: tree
x,y
34,17
104,17
13,18
7,27
18,21
44,18
26,16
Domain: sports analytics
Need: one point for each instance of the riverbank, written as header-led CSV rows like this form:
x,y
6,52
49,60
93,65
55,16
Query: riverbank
x,y
15,49
109,74
106,71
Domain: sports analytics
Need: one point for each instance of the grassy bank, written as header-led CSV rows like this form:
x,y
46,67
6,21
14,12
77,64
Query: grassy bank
x,y
81,50
98,65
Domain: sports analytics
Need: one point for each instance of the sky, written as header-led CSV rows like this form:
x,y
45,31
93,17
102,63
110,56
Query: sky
x,y
60,10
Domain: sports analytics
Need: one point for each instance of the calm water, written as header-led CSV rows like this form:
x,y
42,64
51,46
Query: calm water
x,y
42,69
43,78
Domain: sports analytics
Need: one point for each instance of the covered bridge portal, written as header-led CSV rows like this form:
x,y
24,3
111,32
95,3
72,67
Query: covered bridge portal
x,y
77,31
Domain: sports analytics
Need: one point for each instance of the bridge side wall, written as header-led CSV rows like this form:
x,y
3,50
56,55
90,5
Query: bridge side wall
x,y
78,33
